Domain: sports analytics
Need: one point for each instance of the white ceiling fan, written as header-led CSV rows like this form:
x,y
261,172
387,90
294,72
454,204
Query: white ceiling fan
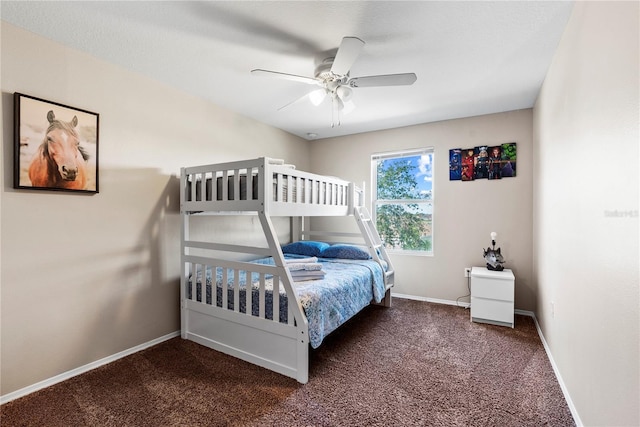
x,y
332,75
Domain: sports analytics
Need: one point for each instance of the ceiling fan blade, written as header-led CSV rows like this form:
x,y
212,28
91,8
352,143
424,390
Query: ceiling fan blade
x,y
316,97
293,77
293,102
347,53
404,79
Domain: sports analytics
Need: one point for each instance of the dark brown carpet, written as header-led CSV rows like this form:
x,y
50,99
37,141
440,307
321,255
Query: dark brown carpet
x,y
415,364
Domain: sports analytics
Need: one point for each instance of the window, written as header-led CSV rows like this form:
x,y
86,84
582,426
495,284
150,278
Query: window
x,y
403,200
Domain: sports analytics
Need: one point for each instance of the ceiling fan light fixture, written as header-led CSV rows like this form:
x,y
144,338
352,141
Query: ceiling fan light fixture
x,y
333,77
317,96
345,93
349,106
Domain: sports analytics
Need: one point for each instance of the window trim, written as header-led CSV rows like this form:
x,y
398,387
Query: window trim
x,y
374,190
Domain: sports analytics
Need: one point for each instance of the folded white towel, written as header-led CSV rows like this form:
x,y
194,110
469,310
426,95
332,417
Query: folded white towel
x,y
319,273
305,278
312,266
306,266
302,275
307,260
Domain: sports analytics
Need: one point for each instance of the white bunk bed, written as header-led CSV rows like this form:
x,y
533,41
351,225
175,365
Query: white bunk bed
x,y
232,305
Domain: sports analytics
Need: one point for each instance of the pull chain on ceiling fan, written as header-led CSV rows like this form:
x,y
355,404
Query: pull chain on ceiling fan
x,y
332,75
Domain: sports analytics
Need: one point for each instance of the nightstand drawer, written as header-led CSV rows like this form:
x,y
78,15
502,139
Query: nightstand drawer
x,y
491,288
491,310
492,296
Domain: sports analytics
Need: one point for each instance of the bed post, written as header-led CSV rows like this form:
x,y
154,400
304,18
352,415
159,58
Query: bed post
x,y
352,197
296,228
295,308
184,236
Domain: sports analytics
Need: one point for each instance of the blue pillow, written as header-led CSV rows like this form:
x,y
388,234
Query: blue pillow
x,y
344,251
305,247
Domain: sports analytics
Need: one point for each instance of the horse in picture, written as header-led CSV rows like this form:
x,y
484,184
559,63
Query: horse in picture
x,y
60,161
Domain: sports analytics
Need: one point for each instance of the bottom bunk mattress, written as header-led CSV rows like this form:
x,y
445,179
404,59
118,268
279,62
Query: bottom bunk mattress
x,y
347,287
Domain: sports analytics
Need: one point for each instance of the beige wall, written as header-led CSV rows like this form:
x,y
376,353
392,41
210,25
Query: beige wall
x,y
87,276
586,168
465,212
84,277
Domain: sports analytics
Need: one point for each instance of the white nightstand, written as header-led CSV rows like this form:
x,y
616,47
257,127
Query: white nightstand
x,y
492,296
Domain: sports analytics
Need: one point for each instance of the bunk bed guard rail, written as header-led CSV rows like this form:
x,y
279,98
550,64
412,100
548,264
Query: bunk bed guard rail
x,y
266,185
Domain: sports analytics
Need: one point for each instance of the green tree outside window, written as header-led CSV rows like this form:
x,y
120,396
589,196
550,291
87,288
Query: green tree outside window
x,y
403,200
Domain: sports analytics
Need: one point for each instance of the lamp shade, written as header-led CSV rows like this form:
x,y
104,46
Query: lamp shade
x,y
349,106
344,93
317,96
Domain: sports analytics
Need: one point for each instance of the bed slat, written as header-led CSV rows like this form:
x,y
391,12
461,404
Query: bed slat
x,y
276,298
261,297
248,297
225,296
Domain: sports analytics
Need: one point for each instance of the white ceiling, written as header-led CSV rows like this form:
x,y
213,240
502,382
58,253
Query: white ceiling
x,y
471,58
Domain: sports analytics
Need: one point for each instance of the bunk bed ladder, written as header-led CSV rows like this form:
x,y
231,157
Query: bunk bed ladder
x,y
376,248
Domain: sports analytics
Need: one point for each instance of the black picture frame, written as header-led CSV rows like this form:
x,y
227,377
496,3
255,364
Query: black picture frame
x,y
55,146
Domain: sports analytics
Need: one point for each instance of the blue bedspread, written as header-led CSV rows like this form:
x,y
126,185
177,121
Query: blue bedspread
x,y
348,287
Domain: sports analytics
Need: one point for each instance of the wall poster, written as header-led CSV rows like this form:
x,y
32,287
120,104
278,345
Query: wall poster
x,y
483,162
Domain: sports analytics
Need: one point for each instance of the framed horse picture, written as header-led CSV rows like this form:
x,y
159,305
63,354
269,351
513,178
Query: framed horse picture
x,y
56,146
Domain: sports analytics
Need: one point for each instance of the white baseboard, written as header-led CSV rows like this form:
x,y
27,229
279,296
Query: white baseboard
x,y
434,300
563,387
531,314
82,369
77,371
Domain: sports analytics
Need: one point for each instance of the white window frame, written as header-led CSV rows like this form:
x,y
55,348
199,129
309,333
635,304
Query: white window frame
x,y
374,190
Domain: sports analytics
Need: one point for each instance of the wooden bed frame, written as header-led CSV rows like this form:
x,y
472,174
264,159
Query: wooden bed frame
x,y
230,189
